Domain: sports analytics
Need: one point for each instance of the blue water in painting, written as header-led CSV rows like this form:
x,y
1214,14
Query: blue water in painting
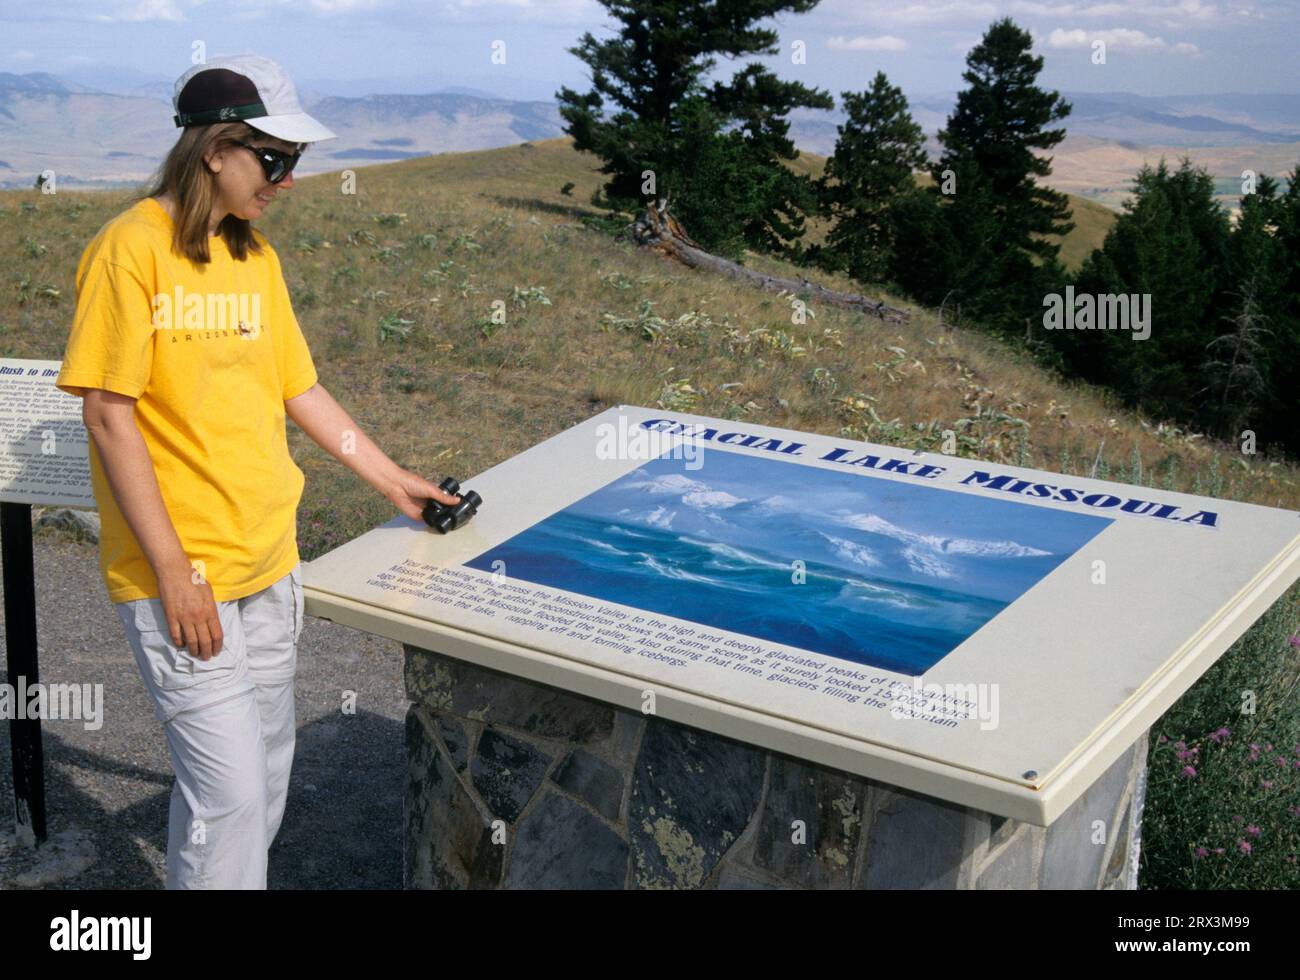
x,y
896,575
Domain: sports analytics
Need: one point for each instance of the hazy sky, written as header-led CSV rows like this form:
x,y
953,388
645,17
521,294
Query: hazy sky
x,y
1154,47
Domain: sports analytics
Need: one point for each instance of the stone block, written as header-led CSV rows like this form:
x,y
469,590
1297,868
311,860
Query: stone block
x,y
593,780
693,795
448,839
460,688
507,771
818,854
913,841
558,844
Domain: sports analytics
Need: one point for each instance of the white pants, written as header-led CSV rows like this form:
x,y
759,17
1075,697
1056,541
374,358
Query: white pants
x,y
230,731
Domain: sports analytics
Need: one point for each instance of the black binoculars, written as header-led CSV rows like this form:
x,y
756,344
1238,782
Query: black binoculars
x,y
448,517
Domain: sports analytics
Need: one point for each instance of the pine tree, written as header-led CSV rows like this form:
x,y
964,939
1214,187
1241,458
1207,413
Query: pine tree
x,y
989,145
1235,373
1279,414
651,71
877,150
1171,243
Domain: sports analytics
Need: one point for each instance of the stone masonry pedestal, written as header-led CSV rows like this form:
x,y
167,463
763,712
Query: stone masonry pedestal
x,y
513,784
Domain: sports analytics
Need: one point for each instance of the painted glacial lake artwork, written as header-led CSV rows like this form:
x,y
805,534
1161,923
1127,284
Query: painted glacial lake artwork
x,y
893,575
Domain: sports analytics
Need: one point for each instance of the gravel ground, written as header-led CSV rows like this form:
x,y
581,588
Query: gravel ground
x,y
107,790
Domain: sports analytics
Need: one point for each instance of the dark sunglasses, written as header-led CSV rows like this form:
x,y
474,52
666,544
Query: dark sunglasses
x,y
275,163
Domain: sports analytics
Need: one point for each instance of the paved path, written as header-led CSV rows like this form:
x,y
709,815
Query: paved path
x,y
107,790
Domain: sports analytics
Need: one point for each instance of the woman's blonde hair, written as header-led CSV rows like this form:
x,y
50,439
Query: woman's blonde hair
x,y
186,177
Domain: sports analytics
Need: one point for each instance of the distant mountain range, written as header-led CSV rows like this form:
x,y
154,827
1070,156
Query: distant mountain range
x,y
89,136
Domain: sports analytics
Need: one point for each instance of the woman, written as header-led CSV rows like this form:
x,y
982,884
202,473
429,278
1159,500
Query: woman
x,y
188,357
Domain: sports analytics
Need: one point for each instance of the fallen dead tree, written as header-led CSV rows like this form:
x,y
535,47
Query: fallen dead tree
x,y
659,230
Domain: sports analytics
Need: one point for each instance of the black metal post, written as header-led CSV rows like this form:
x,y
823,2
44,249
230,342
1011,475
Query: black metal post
x,y
19,573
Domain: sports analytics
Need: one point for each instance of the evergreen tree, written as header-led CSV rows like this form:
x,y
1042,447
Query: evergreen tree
x,y
651,71
877,150
1280,410
1235,373
1170,243
989,145
758,102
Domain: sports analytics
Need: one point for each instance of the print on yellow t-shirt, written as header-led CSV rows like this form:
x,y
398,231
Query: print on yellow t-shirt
x,y
210,353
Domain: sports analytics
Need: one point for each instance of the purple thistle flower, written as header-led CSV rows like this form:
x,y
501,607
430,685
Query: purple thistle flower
x,y
1163,739
1189,772
1266,783
1253,830
1244,846
1295,640
1218,735
1202,852
1218,850
1238,818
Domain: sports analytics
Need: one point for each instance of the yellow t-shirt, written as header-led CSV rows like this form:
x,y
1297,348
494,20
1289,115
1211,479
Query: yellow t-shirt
x,y
210,353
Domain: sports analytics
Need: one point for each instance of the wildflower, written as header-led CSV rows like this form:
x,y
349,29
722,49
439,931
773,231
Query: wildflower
x,y
1186,754
1252,830
1218,850
1244,846
1218,735
1293,810
1202,852
1254,751
1266,783
1295,640
1283,761
1163,739
1238,818
1189,772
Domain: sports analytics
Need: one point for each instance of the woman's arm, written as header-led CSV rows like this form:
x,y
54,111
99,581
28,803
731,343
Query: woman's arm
x,y
191,610
331,428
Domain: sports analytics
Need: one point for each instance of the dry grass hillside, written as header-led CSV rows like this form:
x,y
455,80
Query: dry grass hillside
x,y
394,287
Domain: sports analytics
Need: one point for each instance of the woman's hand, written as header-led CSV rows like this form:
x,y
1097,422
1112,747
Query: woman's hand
x,y
409,493
191,612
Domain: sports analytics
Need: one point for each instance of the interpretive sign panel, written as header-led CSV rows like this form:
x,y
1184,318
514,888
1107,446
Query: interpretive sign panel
x,y
991,635
44,449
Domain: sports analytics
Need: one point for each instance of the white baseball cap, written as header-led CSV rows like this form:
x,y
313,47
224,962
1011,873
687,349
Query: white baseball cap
x,y
247,87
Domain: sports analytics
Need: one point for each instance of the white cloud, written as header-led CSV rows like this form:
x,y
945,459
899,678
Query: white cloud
x,y
947,13
1120,39
551,12
143,10
886,42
